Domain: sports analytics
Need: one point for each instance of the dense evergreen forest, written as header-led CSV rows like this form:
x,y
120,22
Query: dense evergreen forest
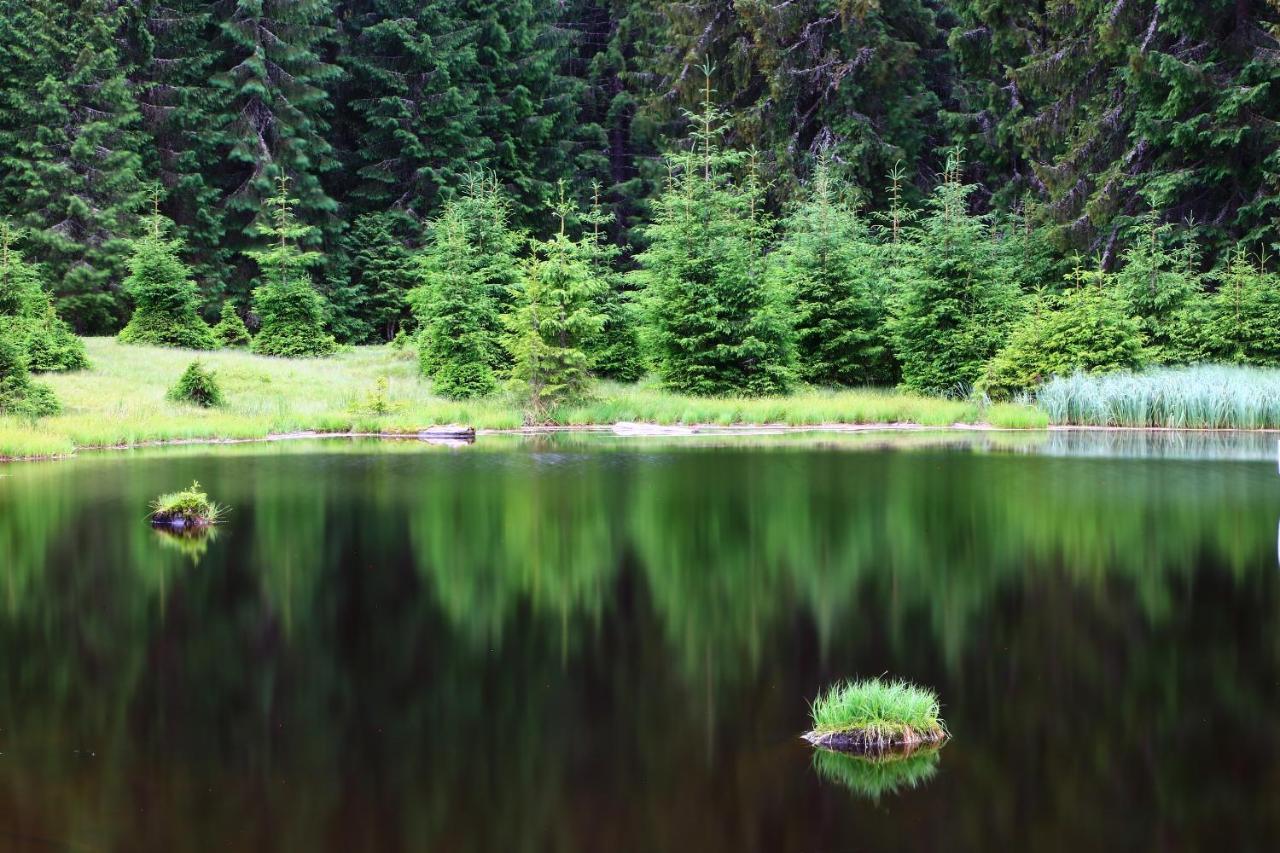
x,y
746,193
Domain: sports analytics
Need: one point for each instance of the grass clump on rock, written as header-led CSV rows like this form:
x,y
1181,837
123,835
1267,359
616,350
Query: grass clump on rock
x,y
876,715
197,385
189,508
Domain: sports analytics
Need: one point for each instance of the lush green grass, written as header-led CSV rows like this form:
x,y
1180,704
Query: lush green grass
x,y
191,505
121,402
875,777
880,711
1203,397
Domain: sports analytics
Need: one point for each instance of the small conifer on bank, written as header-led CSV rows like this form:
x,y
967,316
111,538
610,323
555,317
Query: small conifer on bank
x,y
291,310
27,316
19,395
197,385
231,330
556,317
163,292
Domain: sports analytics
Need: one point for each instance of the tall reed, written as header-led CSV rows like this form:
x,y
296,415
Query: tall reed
x,y
1200,397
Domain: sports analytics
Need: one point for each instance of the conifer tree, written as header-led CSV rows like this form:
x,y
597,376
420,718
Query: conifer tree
x,y
1159,285
19,395
1245,312
27,316
231,330
957,305
466,277
716,326
286,301
368,295
163,292
456,312
69,149
178,51
1086,328
273,88
615,350
556,317
830,269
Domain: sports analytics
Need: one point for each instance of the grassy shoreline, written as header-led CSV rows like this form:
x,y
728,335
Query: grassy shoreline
x,y
120,403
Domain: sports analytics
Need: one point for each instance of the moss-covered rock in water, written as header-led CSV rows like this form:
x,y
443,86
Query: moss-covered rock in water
x,y
197,385
874,715
188,508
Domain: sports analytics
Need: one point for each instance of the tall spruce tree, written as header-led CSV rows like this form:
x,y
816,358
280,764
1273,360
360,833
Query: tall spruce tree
x,y
178,51
163,292
291,312
369,287
273,90
956,305
614,350
715,323
556,316
70,159
1160,283
831,270
456,311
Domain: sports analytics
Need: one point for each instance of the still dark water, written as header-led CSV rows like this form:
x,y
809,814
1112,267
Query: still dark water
x,y
591,644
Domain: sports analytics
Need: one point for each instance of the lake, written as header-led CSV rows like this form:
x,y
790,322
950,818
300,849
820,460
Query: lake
x,y
585,643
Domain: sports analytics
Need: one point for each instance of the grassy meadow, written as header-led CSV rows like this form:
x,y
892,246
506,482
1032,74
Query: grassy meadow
x,y
121,402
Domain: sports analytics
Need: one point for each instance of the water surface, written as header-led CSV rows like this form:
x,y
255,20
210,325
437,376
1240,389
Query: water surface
x,y
592,644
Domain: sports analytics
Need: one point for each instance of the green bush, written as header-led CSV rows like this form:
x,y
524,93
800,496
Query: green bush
x,y
1244,314
164,295
27,316
18,394
197,385
231,330
1086,329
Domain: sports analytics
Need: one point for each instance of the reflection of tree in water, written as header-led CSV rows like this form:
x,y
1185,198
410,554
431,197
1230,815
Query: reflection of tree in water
x,y
874,776
504,655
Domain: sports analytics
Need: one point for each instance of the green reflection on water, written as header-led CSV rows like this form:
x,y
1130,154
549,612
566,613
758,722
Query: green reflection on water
x,y
488,635
874,778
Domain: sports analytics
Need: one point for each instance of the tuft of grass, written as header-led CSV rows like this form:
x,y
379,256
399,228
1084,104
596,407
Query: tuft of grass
x,y
30,440
191,506
876,777
1199,397
879,712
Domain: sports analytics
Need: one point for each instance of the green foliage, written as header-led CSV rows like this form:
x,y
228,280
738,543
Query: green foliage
x,y
1244,314
874,777
27,316
368,298
885,710
1199,397
163,294
555,318
957,303
377,402
197,385
614,351
18,394
1085,329
191,505
831,270
1160,286
466,278
715,323
291,311
70,148
271,89
231,330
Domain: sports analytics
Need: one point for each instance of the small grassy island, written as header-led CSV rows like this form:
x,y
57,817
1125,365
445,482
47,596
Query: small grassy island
x,y
187,510
876,715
